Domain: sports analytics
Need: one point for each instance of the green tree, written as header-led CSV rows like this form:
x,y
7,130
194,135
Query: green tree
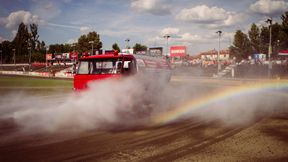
x,y
34,36
21,43
254,36
241,47
7,53
59,48
37,56
276,36
115,47
284,19
283,35
139,47
264,39
83,44
42,47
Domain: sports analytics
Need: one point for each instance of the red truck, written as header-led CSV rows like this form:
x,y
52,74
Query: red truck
x,y
117,65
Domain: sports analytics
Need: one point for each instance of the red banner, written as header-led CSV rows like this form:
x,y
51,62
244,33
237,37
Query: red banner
x,y
73,55
177,51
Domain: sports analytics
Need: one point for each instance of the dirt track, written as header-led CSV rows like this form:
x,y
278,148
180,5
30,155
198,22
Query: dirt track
x,y
265,139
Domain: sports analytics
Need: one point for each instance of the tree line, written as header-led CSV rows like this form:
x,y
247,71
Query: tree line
x,y
25,45
257,39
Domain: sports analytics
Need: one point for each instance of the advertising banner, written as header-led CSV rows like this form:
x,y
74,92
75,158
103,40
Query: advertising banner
x,y
58,56
129,51
66,56
283,53
177,51
49,57
74,55
140,52
156,51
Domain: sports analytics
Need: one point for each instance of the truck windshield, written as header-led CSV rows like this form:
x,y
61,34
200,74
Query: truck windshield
x,y
100,66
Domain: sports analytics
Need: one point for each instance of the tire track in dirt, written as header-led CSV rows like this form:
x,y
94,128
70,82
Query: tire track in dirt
x,y
132,139
193,147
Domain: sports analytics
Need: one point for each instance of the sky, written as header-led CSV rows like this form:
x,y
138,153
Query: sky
x,y
192,23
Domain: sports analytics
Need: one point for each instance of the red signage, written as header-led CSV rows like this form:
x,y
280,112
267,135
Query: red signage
x,y
283,53
49,57
177,51
73,55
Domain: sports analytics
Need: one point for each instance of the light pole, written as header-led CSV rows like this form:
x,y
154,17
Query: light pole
x,y
127,43
46,51
269,21
278,46
29,48
218,55
92,42
1,57
14,56
73,59
167,38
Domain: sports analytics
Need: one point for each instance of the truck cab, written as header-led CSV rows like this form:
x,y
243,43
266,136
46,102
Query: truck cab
x,y
115,65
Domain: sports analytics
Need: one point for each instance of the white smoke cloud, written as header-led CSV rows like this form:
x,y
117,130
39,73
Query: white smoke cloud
x,y
107,103
269,7
113,104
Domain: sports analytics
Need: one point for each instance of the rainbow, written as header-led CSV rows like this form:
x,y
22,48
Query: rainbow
x,y
214,97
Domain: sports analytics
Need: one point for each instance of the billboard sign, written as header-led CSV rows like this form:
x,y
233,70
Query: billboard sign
x,y
177,51
49,56
74,55
58,56
128,51
140,52
156,51
65,56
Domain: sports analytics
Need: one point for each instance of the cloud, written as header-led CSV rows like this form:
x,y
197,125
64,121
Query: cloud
x,y
202,14
15,18
71,41
189,39
2,39
269,7
169,31
177,36
155,7
64,26
14,32
47,9
84,29
193,38
211,17
232,19
67,1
